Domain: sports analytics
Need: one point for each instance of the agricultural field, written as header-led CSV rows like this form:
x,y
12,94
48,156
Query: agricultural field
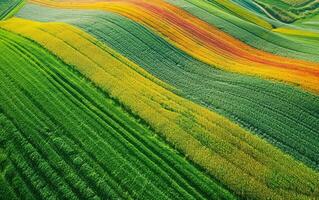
x,y
162,99
9,7
285,10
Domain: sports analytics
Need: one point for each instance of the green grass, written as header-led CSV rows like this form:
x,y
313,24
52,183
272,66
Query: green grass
x,y
289,11
247,164
249,33
63,138
9,8
258,105
309,23
251,5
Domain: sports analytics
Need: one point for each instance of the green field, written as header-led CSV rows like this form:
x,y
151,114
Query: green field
x,y
75,136
287,10
137,99
260,106
9,7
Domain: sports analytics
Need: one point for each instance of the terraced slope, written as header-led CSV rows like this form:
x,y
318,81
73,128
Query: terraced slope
x,y
258,105
200,40
297,2
254,7
246,164
63,138
289,10
310,23
234,9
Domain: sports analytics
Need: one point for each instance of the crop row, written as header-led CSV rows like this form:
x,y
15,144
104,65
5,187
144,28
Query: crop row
x,y
209,44
249,33
7,6
258,104
68,140
271,110
237,10
240,160
288,13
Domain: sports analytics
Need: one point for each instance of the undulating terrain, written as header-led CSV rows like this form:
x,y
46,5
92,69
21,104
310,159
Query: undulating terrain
x,y
159,99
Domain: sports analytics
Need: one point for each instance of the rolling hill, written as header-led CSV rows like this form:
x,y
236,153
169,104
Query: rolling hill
x,y
136,99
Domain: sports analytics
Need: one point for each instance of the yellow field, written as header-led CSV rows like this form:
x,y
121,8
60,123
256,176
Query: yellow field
x,y
238,158
207,43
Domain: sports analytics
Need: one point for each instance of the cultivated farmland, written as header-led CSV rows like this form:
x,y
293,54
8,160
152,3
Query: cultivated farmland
x,y
136,99
8,7
83,135
238,97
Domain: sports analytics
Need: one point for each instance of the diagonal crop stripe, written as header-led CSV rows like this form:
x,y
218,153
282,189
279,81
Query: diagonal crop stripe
x,y
161,99
245,163
286,116
65,139
207,43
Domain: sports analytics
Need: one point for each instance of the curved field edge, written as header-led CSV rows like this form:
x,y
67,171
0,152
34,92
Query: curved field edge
x,y
199,39
258,105
254,7
243,13
290,13
74,135
287,12
249,33
224,149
